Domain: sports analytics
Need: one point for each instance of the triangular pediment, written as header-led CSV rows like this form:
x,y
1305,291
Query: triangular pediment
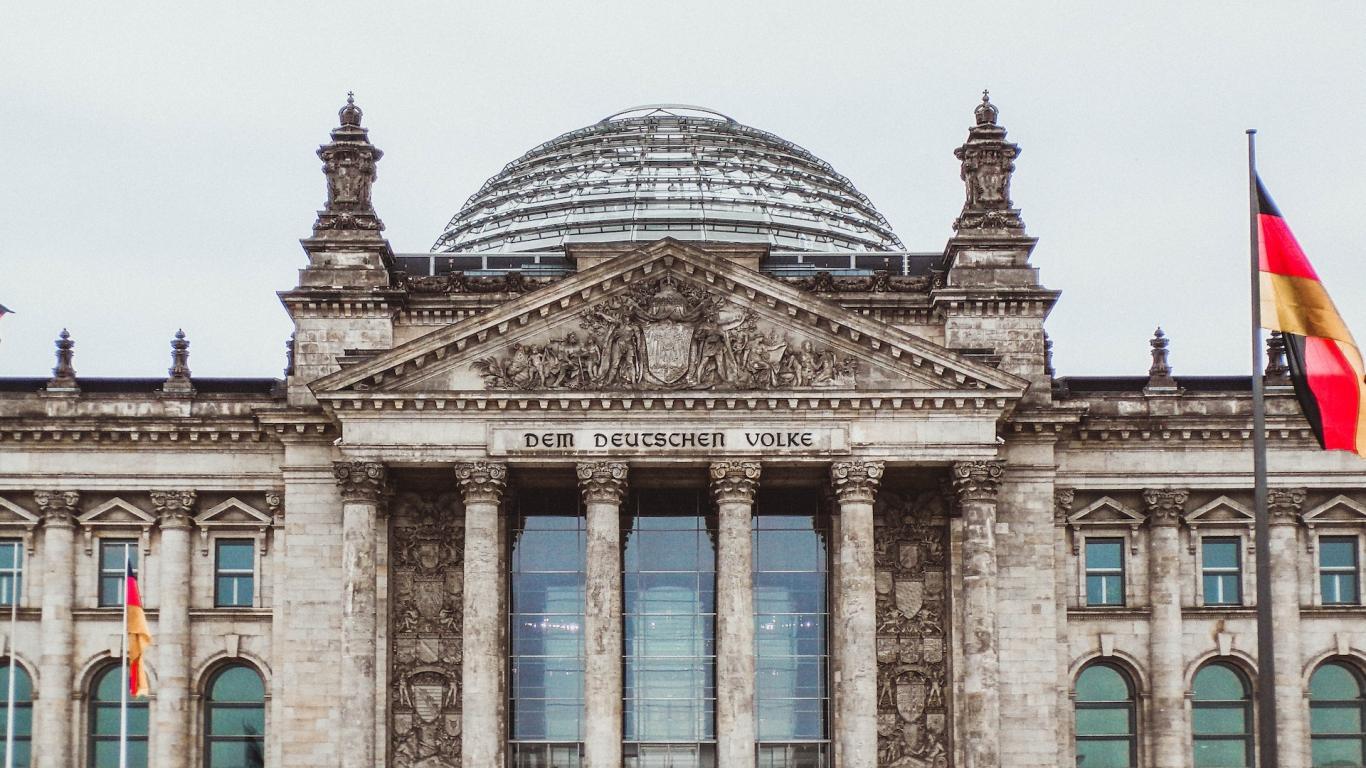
x,y
670,318
233,512
1340,510
118,512
1221,511
12,514
1105,511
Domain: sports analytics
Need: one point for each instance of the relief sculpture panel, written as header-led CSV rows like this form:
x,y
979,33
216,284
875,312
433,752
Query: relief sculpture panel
x,y
912,634
427,545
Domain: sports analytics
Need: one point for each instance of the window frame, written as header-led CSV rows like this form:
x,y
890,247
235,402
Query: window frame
x,y
1239,571
102,574
1122,541
208,739
1359,703
1247,704
20,704
93,703
1320,570
14,574
237,574
1130,705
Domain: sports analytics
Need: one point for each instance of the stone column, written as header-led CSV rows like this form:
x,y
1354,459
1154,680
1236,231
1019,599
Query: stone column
x,y
1283,506
855,485
976,483
604,486
362,486
172,646
483,733
1167,719
733,484
52,746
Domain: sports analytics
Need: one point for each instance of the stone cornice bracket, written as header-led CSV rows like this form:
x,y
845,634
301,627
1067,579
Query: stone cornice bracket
x,y
361,481
59,508
1283,505
174,508
734,481
482,481
977,480
275,503
602,482
1165,505
1062,504
856,481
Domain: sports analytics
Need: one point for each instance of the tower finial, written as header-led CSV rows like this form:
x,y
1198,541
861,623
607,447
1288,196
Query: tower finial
x,y
349,165
179,371
64,375
988,161
1160,372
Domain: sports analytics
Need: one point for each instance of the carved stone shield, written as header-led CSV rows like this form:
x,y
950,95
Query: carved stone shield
x,y
429,595
666,350
427,691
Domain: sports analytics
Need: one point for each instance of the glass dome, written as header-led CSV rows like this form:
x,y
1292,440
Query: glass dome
x,y
667,171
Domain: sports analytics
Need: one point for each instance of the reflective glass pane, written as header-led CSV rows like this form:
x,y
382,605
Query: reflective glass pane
x,y
237,721
1338,551
1104,753
1334,682
1337,753
1219,682
106,754
1104,554
10,556
112,552
1103,721
1101,682
549,550
1221,753
1329,720
235,554
792,550
236,754
1222,589
23,686
238,683
1220,552
1212,720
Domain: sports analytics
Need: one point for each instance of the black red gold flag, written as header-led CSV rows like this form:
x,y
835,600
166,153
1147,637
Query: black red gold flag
x,y
139,637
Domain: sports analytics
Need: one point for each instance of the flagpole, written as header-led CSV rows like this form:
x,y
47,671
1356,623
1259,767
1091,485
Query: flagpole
x,y
9,696
123,670
1266,659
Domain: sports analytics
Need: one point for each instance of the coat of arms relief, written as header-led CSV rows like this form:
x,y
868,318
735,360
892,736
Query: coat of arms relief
x,y
666,334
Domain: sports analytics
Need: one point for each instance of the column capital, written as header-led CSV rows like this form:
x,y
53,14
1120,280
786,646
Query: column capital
x,y
977,480
1165,505
855,481
734,481
482,481
362,481
1283,505
173,507
1062,504
59,508
602,481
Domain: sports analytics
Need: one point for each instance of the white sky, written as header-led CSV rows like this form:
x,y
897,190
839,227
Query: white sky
x,y
159,165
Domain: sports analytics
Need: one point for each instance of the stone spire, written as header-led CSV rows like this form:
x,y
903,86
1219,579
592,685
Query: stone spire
x,y
988,161
349,165
179,379
64,375
1160,372
1277,372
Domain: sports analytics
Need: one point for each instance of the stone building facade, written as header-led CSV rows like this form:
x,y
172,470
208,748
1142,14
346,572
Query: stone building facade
x,y
670,454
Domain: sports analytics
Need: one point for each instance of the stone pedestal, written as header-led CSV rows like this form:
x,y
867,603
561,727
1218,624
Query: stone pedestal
x,y
976,484
855,484
362,485
604,486
52,729
483,732
172,648
1171,743
1283,505
733,484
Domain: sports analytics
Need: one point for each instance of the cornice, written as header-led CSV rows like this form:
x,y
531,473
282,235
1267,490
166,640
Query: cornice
x,y
131,433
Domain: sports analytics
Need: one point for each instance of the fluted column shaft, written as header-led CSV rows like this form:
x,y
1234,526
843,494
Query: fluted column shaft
x,y
855,484
1166,659
52,732
172,647
733,484
604,487
483,733
976,484
362,486
1283,505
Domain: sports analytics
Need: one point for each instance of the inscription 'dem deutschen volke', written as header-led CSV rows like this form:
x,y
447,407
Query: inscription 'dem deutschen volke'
x,y
677,440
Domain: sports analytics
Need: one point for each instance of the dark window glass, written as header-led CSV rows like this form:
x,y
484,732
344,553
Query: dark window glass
x,y
235,719
112,559
1221,718
1337,735
234,574
1105,571
1221,570
23,713
103,732
1338,579
11,570
1106,724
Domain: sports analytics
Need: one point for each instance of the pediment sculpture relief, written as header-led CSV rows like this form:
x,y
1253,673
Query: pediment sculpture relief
x,y
667,335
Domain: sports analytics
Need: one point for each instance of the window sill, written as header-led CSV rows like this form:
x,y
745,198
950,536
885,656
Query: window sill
x,y
110,612
1219,611
1333,610
232,613
1108,612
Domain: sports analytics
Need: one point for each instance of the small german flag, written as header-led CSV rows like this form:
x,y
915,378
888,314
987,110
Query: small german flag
x,y
1325,362
139,636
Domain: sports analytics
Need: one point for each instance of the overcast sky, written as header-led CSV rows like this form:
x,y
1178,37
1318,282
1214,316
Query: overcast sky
x,y
159,157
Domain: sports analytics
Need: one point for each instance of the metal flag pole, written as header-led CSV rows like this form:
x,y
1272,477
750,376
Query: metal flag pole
x,y
9,696
1266,660
123,669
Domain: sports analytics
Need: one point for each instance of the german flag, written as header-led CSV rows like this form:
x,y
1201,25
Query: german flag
x,y
139,636
1325,362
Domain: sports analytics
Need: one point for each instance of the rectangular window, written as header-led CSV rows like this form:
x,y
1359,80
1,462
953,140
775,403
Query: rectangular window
x,y
234,573
11,570
1339,582
1221,570
1104,572
114,553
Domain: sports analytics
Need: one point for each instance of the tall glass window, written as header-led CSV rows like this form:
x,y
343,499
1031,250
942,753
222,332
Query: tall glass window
x,y
1106,720
1338,580
1105,571
234,573
23,713
1221,717
1336,710
103,722
1221,570
669,619
112,555
791,567
235,719
549,543
11,570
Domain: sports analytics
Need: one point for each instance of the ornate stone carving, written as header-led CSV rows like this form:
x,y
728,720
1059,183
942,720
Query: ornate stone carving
x,y
602,482
855,481
482,481
58,507
1165,505
1062,504
734,481
977,480
174,508
988,161
275,503
1160,372
1276,369
64,375
459,282
427,545
665,334
881,281
360,480
349,164
911,562
178,379
1283,505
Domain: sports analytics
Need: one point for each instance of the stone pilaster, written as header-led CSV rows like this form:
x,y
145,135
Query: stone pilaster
x,y
603,484
855,484
733,485
52,731
172,649
1166,660
483,733
976,484
362,485
1283,506
1062,508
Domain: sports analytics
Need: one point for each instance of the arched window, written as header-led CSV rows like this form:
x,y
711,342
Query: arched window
x,y
1106,718
1221,717
1337,717
103,728
23,713
235,719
